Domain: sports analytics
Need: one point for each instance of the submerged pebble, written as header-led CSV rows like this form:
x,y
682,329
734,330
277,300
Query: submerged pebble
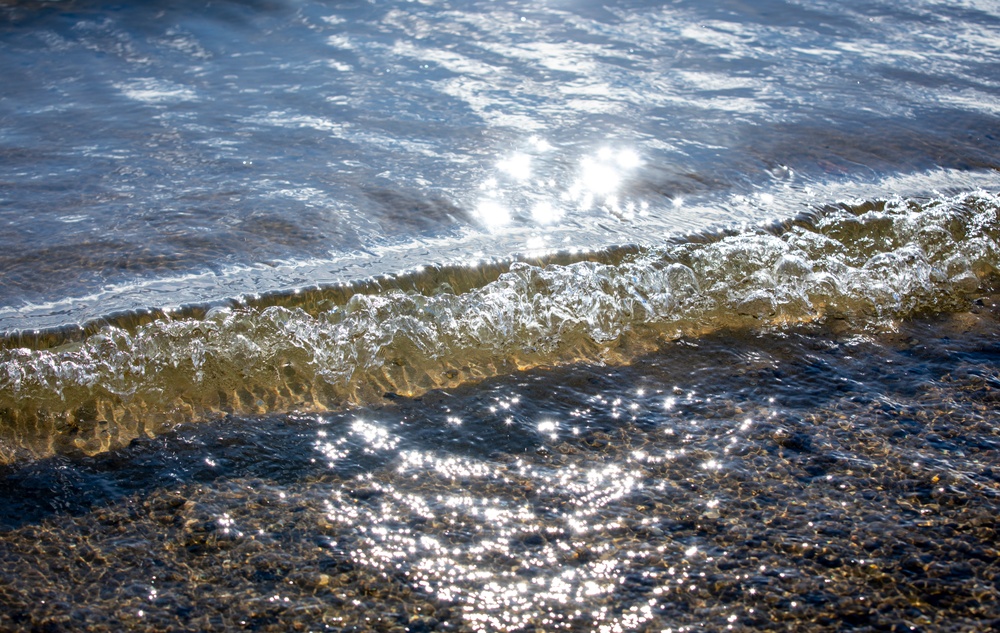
x,y
662,495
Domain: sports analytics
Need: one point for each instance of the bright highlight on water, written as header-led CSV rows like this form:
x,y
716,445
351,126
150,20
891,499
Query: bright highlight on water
x,y
499,316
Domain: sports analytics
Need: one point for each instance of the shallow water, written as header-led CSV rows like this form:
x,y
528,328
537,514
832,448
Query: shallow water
x,y
808,481
499,316
862,266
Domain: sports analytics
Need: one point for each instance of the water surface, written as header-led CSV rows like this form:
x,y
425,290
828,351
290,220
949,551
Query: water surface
x,y
160,154
499,316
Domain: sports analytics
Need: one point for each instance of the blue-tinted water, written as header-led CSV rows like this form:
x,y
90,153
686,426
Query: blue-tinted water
x,y
498,316
157,154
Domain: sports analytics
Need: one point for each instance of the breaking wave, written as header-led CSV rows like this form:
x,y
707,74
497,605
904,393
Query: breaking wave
x,y
862,264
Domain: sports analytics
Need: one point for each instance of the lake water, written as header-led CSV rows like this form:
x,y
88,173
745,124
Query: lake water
x,y
499,316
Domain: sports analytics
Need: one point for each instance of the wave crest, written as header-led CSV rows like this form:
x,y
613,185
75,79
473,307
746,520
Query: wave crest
x,y
864,263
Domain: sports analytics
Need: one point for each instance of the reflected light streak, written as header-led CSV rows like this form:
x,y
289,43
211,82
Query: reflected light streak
x,y
603,174
482,543
517,166
545,213
599,177
540,144
522,184
493,214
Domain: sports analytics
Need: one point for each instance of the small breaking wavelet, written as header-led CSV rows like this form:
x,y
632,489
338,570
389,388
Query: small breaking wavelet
x,y
863,265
